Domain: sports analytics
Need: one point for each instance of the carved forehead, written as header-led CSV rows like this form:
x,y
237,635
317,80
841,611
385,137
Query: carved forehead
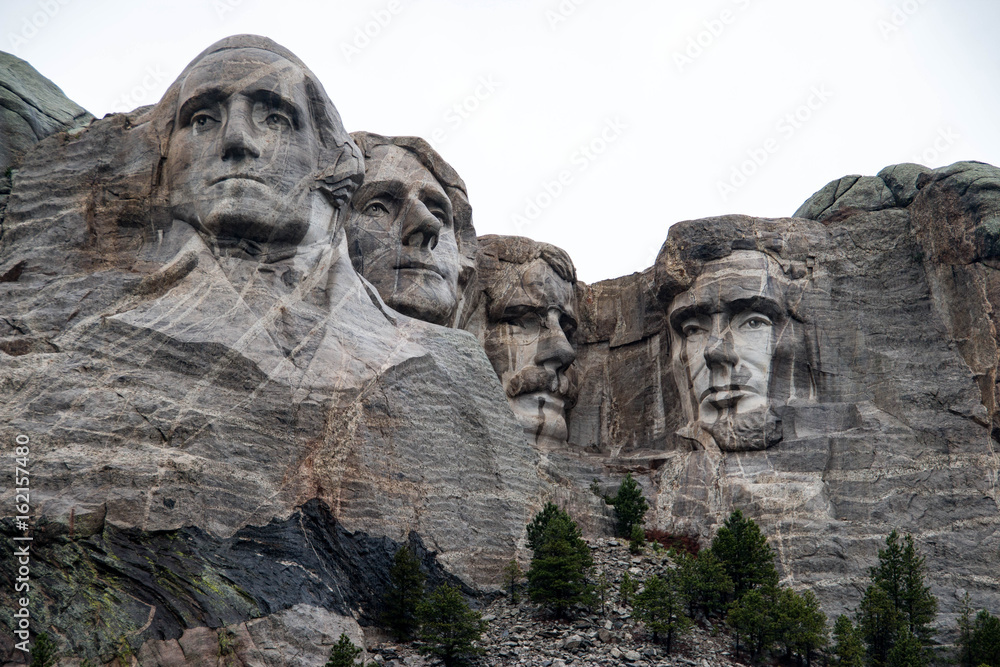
x,y
536,286
236,70
394,164
742,275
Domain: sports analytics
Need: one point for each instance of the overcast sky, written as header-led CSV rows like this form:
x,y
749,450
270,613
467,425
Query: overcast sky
x,y
590,124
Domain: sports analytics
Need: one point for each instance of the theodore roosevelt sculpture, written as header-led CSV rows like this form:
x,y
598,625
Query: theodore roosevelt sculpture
x,y
410,228
526,323
737,352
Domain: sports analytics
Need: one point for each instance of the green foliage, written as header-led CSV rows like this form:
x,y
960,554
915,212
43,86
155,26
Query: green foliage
x,y
799,624
980,643
536,529
703,581
848,649
406,589
627,590
343,653
745,556
660,606
557,579
601,589
448,628
636,541
630,506
908,651
752,619
896,605
512,576
43,651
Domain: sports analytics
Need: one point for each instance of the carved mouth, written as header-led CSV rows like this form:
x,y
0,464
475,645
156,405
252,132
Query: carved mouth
x,y
419,266
726,396
237,177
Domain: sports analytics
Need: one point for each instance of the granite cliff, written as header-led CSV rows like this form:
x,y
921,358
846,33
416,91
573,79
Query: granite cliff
x,y
233,425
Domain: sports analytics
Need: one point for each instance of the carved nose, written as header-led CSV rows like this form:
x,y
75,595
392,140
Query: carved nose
x,y
720,350
238,142
421,228
554,350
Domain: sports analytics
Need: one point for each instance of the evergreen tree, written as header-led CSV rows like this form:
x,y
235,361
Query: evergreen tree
x,y
627,590
43,652
406,589
896,604
636,540
557,578
512,576
965,633
847,647
703,581
536,529
799,624
907,651
630,506
448,628
984,640
601,589
343,653
751,617
660,606
745,556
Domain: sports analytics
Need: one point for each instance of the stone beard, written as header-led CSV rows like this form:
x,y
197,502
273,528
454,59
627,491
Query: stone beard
x,y
737,352
530,320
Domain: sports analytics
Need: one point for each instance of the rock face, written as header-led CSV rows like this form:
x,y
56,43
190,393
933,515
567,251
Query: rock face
x,y
230,432
225,422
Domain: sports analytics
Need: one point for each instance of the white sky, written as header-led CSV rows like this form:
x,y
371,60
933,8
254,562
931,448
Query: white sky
x,y
890,81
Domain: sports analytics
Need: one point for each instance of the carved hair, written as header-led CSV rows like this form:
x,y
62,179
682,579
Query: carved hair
x,y
521,250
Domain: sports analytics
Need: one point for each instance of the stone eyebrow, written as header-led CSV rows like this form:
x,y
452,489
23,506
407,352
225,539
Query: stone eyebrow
x,y
199,100
761,304
393,187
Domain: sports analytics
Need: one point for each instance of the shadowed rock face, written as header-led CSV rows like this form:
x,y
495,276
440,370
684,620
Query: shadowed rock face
x,y
410,229
526,322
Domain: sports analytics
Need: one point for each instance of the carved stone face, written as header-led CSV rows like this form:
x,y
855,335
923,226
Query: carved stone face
x,y
401,235
728,334
244,152
527,339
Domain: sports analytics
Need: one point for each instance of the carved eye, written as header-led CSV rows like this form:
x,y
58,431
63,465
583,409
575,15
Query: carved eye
x,y
691,328
202,120
376,208
278,121
756,322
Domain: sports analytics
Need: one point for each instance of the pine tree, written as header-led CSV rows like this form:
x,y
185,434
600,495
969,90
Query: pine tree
x,y
751,617
745,556
660,606
536,529
847,647
984,641
626,592
896,604
448,628
704,582
512,576
799,624
43,652
630,506
557,578
907,651
343,653
636,540
406,588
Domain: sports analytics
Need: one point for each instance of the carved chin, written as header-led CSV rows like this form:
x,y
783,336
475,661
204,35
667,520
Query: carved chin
x,y
746,432
542,415
429,300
